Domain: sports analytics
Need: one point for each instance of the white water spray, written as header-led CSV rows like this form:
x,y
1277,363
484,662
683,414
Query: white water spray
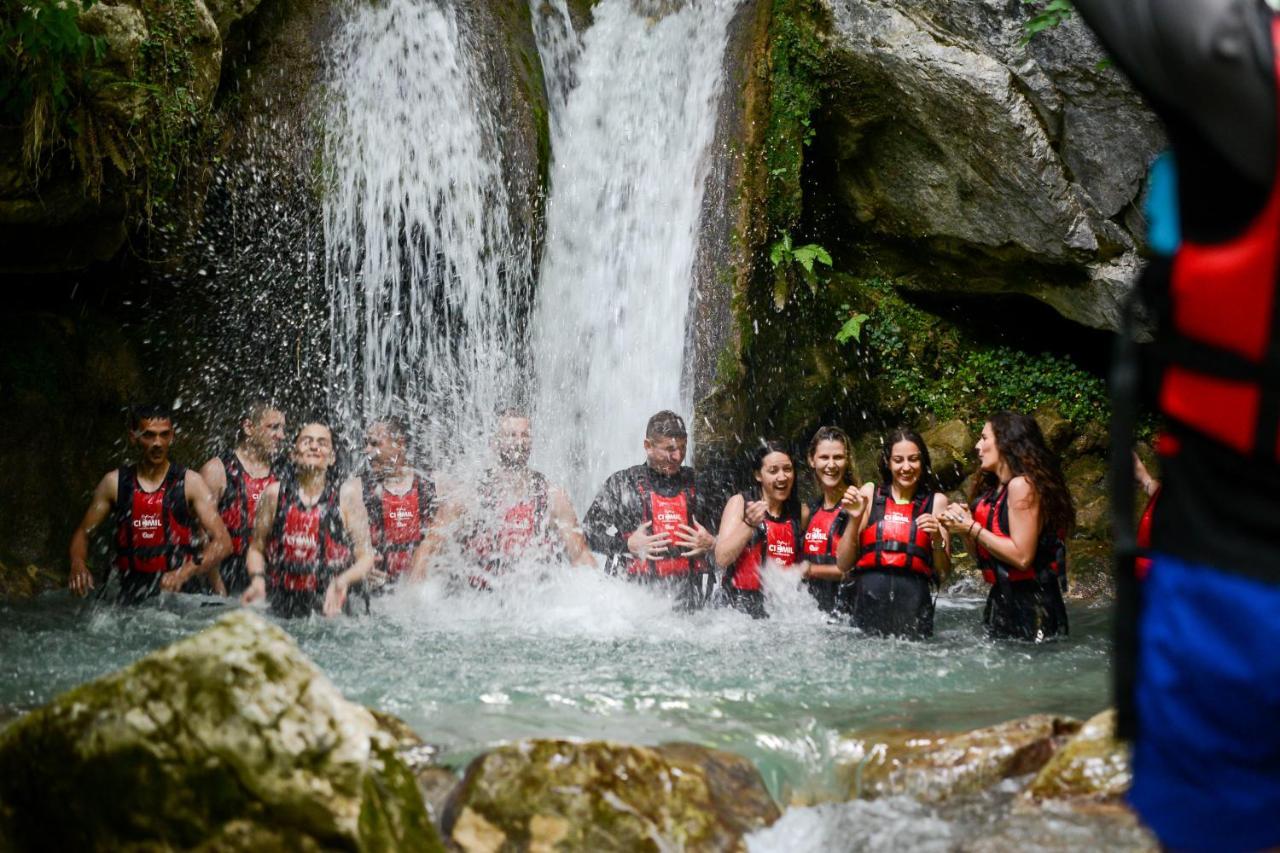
x,y
632,139
427,282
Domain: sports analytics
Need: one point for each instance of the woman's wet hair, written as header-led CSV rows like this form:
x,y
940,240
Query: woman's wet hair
x,y
831,433
928,480
768,446
1022,446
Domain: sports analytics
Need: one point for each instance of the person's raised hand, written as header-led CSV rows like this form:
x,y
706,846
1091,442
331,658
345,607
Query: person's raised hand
x,y
696,540
754,513
644,545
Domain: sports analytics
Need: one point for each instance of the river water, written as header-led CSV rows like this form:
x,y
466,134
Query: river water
x,y
577,654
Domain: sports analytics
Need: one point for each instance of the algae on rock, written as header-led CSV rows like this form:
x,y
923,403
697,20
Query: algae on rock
x,y
230,738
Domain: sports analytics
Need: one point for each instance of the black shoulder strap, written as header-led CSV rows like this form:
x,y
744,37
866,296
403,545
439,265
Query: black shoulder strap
x,y
644,489
426,489
540,500
234,491
372,501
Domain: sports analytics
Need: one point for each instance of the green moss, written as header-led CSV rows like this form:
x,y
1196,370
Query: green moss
x,y
795,73
941,368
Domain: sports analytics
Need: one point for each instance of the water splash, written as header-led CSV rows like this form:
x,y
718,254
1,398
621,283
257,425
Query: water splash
x,y
632,135
428,283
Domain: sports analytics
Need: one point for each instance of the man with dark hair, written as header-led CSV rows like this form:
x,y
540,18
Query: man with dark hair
x,y
645,518
156,503
514,513
238,477
1196,665
399,500
310,540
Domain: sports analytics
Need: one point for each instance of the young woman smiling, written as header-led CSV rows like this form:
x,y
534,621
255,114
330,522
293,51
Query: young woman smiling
x,y
760,526
1021,517
831,460
901,548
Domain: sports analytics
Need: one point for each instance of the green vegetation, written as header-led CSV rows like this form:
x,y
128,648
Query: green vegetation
x,y
795,70
852,328
60,86
1046,14
43,57
787,259
945,369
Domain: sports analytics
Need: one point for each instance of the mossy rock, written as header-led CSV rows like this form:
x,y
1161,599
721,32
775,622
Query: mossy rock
x,y
935,766
230,739
1093,765
27,582
950,450
565,795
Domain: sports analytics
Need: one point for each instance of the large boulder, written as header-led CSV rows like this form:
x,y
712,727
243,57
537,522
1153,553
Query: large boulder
x,y
229,739
944,130
1092,766
935,766
950,450
606,796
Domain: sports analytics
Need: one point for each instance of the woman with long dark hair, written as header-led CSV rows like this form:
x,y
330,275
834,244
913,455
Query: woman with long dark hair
x,y
901,549
831,460
761,524
1022,514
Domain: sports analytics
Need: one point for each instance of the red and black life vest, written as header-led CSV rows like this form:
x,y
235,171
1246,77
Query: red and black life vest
x,y
666,515
892,539
153,529
240,501
511,530
823,534
1050,560
397,523
778,539
308,544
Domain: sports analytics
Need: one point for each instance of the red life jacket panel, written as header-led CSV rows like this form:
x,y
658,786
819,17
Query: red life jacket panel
x,y
308,543
992,512
779,541
240,501
891,539
153,529
397,523
1221,348
823,534
521,528
666,515
1143,564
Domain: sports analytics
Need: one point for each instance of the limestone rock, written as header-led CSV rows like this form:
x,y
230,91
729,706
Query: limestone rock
x,y
1092,765
230,738
950,451
933,766
27,582
607,796
944,132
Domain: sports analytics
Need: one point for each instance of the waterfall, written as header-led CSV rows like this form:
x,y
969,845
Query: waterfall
x,y
633,105
427,283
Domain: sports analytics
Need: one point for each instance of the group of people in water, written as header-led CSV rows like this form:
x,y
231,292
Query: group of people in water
x,y
293,533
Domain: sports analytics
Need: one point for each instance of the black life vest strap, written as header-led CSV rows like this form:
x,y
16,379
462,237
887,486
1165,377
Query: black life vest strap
x,y
236,492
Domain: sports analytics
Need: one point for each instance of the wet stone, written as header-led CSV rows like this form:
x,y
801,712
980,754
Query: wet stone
x,y
934,766
1093,765
607,796
230,739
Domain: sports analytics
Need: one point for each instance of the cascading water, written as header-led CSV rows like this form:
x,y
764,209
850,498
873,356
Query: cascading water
x,y
632,129
428,282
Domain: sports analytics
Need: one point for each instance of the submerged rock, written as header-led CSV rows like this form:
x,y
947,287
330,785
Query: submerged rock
x,y
934,766
229,739
1093,765
607,796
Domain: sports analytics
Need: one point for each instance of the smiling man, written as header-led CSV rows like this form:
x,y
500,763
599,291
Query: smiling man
x,y
156,503
645,519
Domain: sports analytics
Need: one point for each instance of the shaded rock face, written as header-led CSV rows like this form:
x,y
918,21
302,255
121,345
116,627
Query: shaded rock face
x,y
230,739
70,218
943,130
934,766
605,796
